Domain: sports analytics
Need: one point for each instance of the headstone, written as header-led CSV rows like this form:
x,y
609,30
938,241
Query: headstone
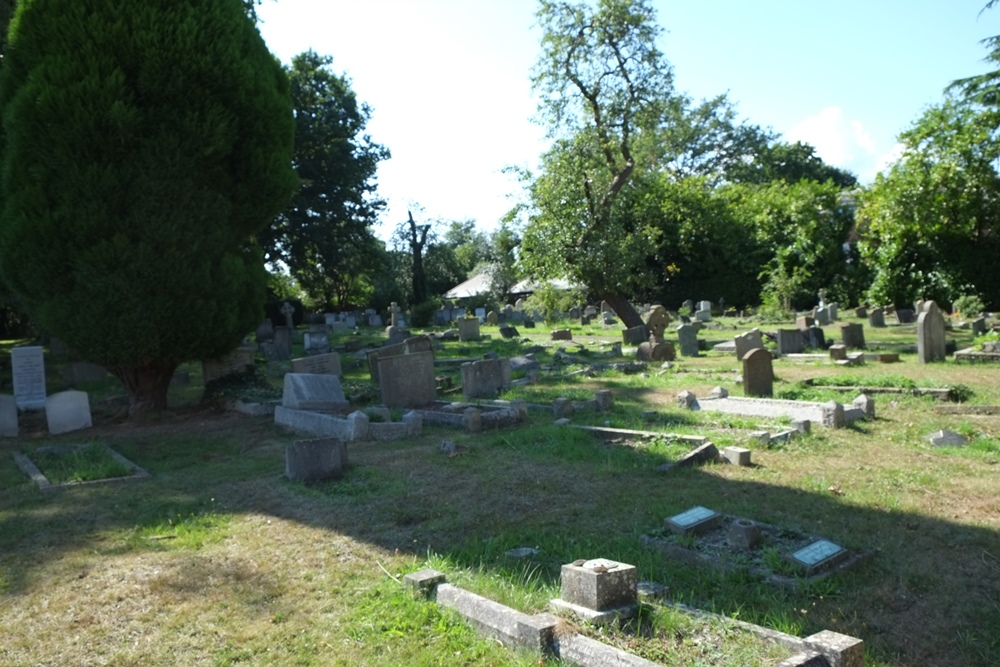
x,y
876,318
979,326
822,297
853,336
584,320
930,334
861,312
315,460
598,584
509,332
519,304
561,334
307,391
288,310
407,380
703,315
574,313
265,332
468,328
320,364
705,305
394,315
316,343
485,378
688,305
823,316
8,416
375,320
282,343
904,316
804,322
481,315
606,307
747,341
235,362
635,335
758,373
838,352
67,411
492,319
590,311
813,338
790,341
653,351
832,309
687,335
28,366
656,323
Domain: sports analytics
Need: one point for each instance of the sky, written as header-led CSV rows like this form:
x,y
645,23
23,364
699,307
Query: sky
x,y
449,80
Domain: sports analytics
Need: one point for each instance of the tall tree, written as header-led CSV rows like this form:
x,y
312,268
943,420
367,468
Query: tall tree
x,y
329,223
415,237
144,145
930,225
982,88
605,91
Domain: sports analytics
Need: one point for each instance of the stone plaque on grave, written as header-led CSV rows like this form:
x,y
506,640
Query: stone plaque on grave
x,y
320,364
818,555
876,318
853,336
28,366
82,371
758,373
407,381
698,519
468,328
930,334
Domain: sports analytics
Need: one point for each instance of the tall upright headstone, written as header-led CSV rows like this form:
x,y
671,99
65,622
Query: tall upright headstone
x,y
876,318
687,335
747,341
853,336
28,366
758,373
930,334
288,310
67,411
790,341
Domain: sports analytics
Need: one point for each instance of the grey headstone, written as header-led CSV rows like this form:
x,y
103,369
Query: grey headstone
x,y
635,335
853,336
315,460
407,381
745,342
979,326
930,334
758,373
876,318
823,316
28,366
485,378
468,328
904,316
265,332
8,416
804,322
687,336
282,343
67,411
790,341
306,391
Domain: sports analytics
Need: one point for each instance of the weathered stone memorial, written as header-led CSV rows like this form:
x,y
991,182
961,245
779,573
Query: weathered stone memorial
x,y
315,460
853,336
8,416
485,378
288,310
320,364
876,318
687,336
28,366
598,590
930,334
656,323
282,342
407,380
790,341
745,342
305,391
468,328
635,335
67,411
758,373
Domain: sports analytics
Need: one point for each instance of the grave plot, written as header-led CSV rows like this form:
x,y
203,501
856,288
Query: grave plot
x,y
62,466
703,536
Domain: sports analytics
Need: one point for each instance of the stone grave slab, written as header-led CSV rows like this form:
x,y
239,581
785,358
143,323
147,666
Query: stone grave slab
x,y
819,555
698,519
28,366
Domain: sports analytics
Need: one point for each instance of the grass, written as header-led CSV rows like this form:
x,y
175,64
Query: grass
x,y
219,560
78,464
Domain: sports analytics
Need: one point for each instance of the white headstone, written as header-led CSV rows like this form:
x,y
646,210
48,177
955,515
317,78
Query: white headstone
x,y
28,364
67,411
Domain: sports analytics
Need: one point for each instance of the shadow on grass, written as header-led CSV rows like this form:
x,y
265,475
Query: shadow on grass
x,y
929,598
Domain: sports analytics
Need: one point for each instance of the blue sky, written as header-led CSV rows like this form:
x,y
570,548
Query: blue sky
x,y
449,79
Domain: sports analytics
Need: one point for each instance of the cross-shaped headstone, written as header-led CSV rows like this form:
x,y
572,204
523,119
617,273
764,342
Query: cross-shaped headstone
x,y
288,310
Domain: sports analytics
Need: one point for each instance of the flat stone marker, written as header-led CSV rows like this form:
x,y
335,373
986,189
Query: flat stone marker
x,y
698,519
315,460
818,555
28,365
946,438
320,364
67,411
306,391
8,416
758,373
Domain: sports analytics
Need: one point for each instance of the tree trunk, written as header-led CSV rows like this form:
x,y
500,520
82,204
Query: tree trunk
x,y
623,309
146,386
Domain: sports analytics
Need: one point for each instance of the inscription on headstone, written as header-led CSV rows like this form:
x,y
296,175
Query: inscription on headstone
x,y
28,365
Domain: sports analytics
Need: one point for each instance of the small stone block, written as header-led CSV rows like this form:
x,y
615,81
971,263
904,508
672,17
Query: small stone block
x,y
719,392
839,650
818,556
760,437
802,425
563,421
698,519
538,631
737,455
686,400
599,584
424,581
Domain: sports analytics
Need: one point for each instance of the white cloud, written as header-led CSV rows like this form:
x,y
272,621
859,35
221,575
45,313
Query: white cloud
x,y
843,142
